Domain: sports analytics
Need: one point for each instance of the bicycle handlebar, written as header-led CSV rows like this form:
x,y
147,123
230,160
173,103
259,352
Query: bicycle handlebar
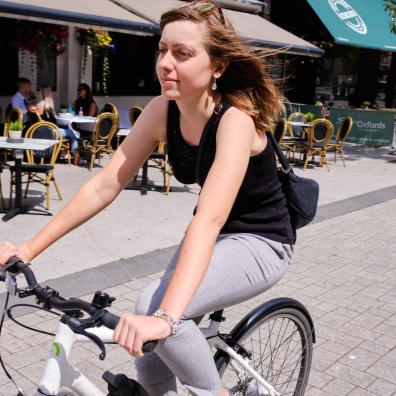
x,y
51,300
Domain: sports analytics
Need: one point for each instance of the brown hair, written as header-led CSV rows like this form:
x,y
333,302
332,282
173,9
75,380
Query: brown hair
x,y
245,83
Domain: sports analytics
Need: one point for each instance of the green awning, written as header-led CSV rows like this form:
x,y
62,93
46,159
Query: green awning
x,y
362,23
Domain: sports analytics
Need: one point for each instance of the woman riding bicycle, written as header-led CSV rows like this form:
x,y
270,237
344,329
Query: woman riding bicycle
x,y
239,241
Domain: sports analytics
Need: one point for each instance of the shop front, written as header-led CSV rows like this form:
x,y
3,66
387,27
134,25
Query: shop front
x,y
360,62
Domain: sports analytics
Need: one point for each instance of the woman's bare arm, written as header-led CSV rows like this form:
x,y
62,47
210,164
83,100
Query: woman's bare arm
x,y
233,146
103,188
92,109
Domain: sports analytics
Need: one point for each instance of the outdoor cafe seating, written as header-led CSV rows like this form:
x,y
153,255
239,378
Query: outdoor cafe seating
x,y
1,190
297,135
319,136
342,135
40,165
105,128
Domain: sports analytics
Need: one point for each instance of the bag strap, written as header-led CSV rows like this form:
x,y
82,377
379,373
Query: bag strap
x,y
218,112
282,158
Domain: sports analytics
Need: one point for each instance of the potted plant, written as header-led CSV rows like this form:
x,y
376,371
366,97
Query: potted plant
x,y
309,116
366,104
15,131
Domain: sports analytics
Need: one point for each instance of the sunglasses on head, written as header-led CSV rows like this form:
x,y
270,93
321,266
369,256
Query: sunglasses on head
x,y
205,7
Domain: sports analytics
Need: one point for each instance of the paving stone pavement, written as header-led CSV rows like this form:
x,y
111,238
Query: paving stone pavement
x,y
344,272
136,224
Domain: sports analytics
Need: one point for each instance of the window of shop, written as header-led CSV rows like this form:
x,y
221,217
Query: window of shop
x,y
132,67
337,75
8,57
46,70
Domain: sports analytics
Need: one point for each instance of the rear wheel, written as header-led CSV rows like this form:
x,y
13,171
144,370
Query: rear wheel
x,y
279,346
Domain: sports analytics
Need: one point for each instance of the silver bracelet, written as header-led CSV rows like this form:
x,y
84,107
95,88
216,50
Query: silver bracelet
x,y
160,313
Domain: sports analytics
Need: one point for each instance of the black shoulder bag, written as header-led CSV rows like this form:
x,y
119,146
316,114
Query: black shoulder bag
x,y
302,194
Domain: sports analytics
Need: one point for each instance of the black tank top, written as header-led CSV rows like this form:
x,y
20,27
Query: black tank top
x,y
260,206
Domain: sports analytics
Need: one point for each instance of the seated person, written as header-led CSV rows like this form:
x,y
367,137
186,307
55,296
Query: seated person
x,y
46,109
85,101
21,98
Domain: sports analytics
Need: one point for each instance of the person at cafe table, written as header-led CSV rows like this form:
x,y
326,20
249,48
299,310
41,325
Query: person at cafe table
x,y
85,101
21,98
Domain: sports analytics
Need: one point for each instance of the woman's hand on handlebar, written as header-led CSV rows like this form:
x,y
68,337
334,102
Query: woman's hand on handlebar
x,y
133,331
8,250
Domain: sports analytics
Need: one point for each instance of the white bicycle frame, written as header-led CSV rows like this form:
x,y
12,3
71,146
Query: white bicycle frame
x,y
60,373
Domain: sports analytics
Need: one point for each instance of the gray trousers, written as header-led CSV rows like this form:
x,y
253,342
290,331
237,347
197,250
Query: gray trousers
x,y
241,267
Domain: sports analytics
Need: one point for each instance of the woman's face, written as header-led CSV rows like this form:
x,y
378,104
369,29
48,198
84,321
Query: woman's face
x,y
82,93
184,67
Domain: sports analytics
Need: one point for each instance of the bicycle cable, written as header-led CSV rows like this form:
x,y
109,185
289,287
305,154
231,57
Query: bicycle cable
x,y
9,314
20,391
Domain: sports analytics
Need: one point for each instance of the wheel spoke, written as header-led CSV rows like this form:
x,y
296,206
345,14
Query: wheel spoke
x,y
281,350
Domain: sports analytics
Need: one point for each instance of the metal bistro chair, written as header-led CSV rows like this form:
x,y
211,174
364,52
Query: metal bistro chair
x,y
14,114
134,113
40,166
296,131
1,191
280,132
342,135
319,135
104,131
111,108
33,117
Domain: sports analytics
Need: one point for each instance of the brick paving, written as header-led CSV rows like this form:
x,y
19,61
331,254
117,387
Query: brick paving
x,y
344,271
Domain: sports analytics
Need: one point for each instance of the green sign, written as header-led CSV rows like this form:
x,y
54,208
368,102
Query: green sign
x,y
371,127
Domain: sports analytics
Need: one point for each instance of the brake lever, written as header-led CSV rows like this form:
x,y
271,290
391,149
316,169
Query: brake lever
x,y
79,326
95,339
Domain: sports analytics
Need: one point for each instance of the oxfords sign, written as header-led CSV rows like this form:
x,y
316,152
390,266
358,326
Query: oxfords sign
x,y
371,127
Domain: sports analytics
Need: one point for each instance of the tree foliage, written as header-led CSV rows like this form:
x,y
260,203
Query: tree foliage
x,y
390,5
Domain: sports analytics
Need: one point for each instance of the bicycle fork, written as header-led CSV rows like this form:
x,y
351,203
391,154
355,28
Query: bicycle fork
x,y
59,372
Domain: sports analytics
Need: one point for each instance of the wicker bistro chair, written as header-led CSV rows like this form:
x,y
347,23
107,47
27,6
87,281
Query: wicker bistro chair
x,y
1,191
295,134
40,166
280,132
33,117
14,114
160,159
318,138
294,130
105,130
342,135
134,113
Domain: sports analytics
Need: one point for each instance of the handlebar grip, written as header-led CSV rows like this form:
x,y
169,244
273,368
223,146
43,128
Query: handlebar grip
x,y
110,320
12,264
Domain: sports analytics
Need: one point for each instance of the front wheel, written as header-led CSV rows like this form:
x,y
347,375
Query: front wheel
x,y
279,347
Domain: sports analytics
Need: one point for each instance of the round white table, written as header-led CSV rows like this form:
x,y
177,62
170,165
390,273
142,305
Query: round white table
x,y
67,120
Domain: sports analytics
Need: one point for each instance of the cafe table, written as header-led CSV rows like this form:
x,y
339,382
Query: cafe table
x,y
144,185
17,151
69,120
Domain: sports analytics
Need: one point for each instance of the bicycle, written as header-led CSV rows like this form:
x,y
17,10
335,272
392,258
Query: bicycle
x,y
269,352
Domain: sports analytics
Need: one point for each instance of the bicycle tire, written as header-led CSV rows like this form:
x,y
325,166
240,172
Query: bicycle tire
x,y
245,335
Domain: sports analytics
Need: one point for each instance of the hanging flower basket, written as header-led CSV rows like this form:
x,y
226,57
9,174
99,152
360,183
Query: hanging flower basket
x,y
100,42
38,38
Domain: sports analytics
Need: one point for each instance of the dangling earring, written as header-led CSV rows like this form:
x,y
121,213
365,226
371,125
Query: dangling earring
x,y
214,85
